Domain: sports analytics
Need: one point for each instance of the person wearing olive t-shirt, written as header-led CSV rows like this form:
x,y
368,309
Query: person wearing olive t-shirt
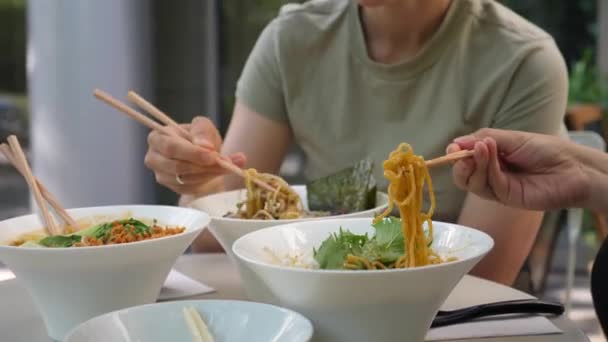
x,y
346,80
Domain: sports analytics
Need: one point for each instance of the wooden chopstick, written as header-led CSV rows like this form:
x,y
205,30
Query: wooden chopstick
x,y
65,216
448,158
21,160
107,98
130,112
157,113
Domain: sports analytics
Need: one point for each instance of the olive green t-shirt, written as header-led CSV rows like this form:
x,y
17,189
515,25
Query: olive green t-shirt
x,y
484,67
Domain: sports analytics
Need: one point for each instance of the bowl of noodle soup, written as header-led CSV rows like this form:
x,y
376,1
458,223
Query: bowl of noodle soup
x,y
392,304
228,229
73,284
362,279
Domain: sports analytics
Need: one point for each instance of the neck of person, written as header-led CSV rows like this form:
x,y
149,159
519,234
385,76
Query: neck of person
x,y
396,31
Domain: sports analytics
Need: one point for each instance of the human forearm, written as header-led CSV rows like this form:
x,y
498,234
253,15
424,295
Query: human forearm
x,y
513,231
597,196
594,166
589,157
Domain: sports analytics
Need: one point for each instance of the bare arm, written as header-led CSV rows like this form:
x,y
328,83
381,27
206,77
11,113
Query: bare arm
x,y
263,141
535,101
513,230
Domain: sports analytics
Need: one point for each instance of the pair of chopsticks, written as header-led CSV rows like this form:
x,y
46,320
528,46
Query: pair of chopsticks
x,y
15,155
177,131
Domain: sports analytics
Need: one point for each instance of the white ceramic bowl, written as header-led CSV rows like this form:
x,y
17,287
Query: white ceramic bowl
x,y
227,230
228,321
382,305
72,285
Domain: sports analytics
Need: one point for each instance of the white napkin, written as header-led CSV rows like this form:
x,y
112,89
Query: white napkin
x,y
179,285
494,327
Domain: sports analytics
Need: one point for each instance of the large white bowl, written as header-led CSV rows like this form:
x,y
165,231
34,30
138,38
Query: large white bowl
x,y
383,305
227,230
228,321
72,285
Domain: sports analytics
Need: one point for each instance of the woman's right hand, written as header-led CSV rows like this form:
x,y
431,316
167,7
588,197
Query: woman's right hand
x,y
174,160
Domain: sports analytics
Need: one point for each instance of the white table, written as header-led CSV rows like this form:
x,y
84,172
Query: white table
x,y
20,322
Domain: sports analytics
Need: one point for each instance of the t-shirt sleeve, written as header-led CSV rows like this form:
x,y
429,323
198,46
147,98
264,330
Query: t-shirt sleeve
x,y
537,96
260,86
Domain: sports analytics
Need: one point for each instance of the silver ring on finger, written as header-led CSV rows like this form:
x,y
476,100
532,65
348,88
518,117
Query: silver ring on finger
x,y
179,180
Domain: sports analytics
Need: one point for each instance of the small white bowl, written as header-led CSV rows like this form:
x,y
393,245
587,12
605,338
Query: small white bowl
x,y
380,305
227,230
72,285
228,321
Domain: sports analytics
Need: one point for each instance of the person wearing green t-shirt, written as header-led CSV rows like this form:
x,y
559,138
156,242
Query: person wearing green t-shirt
x,y
347,79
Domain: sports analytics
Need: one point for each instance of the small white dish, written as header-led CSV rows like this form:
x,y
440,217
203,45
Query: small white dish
x,y
379,305
72,285
228,321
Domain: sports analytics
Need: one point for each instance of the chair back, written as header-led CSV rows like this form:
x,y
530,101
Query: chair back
x,y
588,138
599,286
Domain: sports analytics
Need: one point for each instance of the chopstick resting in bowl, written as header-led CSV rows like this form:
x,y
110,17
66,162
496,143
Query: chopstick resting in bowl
x,y
14,154
50,198
178,131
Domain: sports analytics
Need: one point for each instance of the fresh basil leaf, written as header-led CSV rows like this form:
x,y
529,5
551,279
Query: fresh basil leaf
x,y
388,232
333,251
387,245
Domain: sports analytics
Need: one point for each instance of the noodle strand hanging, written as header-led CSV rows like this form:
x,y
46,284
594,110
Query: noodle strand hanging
x,y
261,204
407,174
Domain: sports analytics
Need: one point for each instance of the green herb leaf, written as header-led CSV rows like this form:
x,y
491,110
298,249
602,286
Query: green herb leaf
x,y
333,251
387,245
140,227
60,240
102,231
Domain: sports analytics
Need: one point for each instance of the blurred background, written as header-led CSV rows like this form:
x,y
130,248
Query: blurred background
x,y
187,58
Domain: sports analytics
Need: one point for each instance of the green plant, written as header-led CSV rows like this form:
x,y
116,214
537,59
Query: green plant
x,y
12,46
587,84
588,233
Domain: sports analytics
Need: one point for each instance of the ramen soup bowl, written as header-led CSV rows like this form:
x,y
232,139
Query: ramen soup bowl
x,y
227,230
227,321
72,285
349,305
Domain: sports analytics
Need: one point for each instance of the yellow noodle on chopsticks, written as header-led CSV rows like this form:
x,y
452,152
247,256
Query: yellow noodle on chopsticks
x,y
407,174
261,204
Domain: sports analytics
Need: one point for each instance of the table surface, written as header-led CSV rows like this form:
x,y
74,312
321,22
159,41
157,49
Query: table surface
x,y
20,322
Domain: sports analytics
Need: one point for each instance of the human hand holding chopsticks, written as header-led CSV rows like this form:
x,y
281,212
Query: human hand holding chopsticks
x,y
195,163
184,138
531,171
